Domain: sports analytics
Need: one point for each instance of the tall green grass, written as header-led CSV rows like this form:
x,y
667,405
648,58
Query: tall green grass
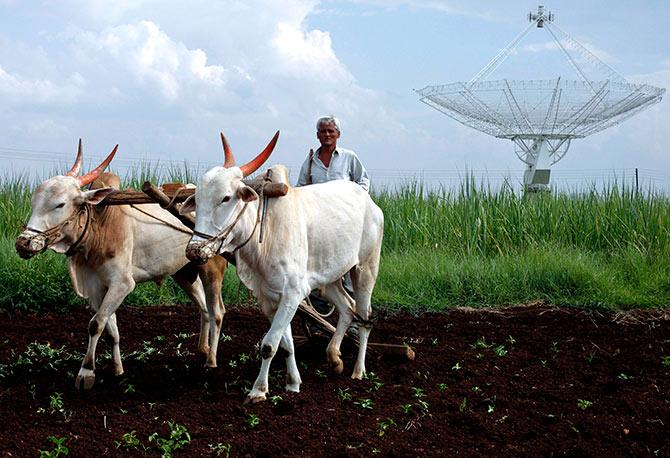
x,y
596,248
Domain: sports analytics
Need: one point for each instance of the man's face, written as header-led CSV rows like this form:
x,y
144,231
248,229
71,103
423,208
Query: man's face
x,y
327,134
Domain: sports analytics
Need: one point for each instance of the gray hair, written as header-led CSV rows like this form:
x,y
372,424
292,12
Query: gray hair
x,y
326,119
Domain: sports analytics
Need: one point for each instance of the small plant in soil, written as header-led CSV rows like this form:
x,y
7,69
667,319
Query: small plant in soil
x,y
624,377
372,377
56,405
179,437
423,406
58,449
253,420
584,404
500,351
406,408
384,425
480,343
511,340
275,400
490,408
221,449
665,361
225,337
321,374
129,441
418,392
463,406
456,367
365,403
344,394
442,386
143,355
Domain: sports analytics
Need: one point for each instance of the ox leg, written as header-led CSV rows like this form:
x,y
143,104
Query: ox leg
x,y
211,275
336,294
363,278
194,290
286,309
113,298
113,331
293,379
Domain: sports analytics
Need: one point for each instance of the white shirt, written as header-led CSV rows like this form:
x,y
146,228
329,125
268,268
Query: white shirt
x,y
344,165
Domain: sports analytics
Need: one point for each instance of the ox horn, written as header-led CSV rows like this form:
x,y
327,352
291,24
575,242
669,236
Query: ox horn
x,y
227,152
252,166
76,168
93,174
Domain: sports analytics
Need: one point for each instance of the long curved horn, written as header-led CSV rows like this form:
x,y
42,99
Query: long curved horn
x,y
93,174
76,168
252,166
227,152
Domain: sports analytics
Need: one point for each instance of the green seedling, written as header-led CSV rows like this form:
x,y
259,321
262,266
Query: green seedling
x,y
418,392
442,386
372,377
584,404
129,441
384,425
276,399
253,420
665,361
365,403
221,449
344,394
179,437
406,408
456,367
500,350
58,450
462,407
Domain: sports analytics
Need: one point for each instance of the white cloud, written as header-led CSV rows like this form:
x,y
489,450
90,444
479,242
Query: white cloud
x,y
18,91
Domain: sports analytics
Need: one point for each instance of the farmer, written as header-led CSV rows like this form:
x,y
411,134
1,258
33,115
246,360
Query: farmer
x,y
327,163
330,162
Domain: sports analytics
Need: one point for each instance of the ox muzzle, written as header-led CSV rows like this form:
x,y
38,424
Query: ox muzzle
x,y
200,252
28,245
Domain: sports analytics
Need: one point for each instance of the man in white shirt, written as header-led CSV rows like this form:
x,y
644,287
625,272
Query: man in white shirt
x,y
331,162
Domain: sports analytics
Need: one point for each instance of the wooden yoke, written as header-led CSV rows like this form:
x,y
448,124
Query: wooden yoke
x,y
131,196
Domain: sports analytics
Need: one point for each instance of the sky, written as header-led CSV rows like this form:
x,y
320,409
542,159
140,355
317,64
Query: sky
x,y
163,78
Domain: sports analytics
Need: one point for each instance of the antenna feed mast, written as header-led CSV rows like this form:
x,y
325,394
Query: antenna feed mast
x,y
540,17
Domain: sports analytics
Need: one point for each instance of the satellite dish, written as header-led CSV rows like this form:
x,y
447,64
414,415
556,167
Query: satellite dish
x,y
542,117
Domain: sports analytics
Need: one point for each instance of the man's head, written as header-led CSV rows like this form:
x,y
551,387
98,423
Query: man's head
x,y
328,130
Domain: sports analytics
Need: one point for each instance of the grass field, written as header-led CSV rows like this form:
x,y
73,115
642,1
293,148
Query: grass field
x,y
596,248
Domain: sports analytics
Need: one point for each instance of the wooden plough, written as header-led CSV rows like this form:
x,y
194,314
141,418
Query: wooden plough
x,y
169,195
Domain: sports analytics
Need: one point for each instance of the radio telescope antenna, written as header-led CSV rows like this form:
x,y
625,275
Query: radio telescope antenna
x,y
542,117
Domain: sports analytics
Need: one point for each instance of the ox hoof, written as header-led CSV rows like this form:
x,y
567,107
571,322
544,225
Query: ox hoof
x,y
254,399
85,381
337,366
293,387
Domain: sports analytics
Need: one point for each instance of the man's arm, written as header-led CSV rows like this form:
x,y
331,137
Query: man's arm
x,y
359,174
303,177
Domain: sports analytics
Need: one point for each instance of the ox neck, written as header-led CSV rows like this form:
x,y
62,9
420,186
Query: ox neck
x,y
76,246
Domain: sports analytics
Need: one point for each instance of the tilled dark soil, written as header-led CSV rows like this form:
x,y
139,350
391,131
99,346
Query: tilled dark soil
x,y
531,380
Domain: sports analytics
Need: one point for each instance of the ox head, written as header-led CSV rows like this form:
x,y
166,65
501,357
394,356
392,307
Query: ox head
x,y
220,197
57,208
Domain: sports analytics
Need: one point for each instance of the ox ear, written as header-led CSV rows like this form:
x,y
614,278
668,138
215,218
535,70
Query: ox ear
x,y
95,196
188,206
246,194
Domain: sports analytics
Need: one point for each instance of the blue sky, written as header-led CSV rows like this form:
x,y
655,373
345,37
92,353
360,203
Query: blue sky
x,y
162,78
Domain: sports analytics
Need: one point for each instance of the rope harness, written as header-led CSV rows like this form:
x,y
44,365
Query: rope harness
x,y
54,234
207,246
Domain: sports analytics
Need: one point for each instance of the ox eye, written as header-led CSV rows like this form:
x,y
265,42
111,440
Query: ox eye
x,y
60,205
225,199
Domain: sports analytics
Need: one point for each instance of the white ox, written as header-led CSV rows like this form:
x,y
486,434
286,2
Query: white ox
x,y
313,236
111,248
